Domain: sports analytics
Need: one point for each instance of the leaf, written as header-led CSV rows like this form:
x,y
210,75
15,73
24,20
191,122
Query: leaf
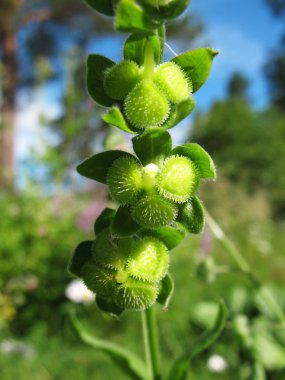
x,y
166,292
102,6
191,215
81,255
152,146
134,47
132,18
170,11
180,368
200,157
179,112
170,236
116,118
97,166
96,66
123,225
108,307
104,220
126,360
196,64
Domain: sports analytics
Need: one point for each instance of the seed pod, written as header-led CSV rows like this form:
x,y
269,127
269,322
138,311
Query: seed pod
x,y
124,180
99,280
136,295
146,106
120,79
149,260
170,78
178,179
152,211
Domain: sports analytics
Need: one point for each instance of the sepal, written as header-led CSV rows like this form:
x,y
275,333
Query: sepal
x,y
109,307
123,224
104,220
191,215
81,255
166,291
115,117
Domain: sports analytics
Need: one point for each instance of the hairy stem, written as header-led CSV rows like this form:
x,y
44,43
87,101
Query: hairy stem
x,y
151,344
243,265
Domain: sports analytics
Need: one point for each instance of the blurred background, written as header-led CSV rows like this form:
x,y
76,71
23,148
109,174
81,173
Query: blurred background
x,y
48,125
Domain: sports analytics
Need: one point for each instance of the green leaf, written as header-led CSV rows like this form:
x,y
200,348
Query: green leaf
x,y
191,215
108,307
196,64
134,47
116,118
179,112
102,6
180,368
126,360
123,225
82,253
171,236
152,146
132,18
167,289
96,66
104,220
200,157
97,166
163,12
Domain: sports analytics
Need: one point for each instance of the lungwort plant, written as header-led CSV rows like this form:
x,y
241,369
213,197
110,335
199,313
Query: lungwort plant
x,y
127,264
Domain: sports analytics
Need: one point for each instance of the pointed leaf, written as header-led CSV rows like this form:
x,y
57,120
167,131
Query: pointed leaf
x,y
179,112
171,236
132,18
104,220
102,6
163,12
180,368
116,118
96,66
82,253
123,225
109,307
126,360
200,157
152,145
196,64
191,215
167,289
97,166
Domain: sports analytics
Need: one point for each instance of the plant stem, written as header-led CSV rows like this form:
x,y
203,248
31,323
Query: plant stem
x,y
243,265
151,343
149,63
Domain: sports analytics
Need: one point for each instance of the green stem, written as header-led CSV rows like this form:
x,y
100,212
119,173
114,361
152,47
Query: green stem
x,y
151,344
149,63
243,265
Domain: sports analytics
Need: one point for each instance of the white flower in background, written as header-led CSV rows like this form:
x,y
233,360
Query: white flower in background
x,y
77,292
217,363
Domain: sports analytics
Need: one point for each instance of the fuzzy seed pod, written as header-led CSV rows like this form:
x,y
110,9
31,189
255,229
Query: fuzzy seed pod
x,y
178,179
152,211
99,280
124,180
170,78
136,295
149,260
146,106
120,79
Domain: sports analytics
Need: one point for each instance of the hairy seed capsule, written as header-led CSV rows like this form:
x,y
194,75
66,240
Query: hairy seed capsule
x,y
170,79
178,179
136,295
120,79
99,280
124,180
146,106
152,211
149,260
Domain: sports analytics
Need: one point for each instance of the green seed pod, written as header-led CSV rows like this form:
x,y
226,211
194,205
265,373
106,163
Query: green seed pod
x,y
124,180
146,106
152,211
178,179
149,260
136,295
99,280
120,79
170,78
